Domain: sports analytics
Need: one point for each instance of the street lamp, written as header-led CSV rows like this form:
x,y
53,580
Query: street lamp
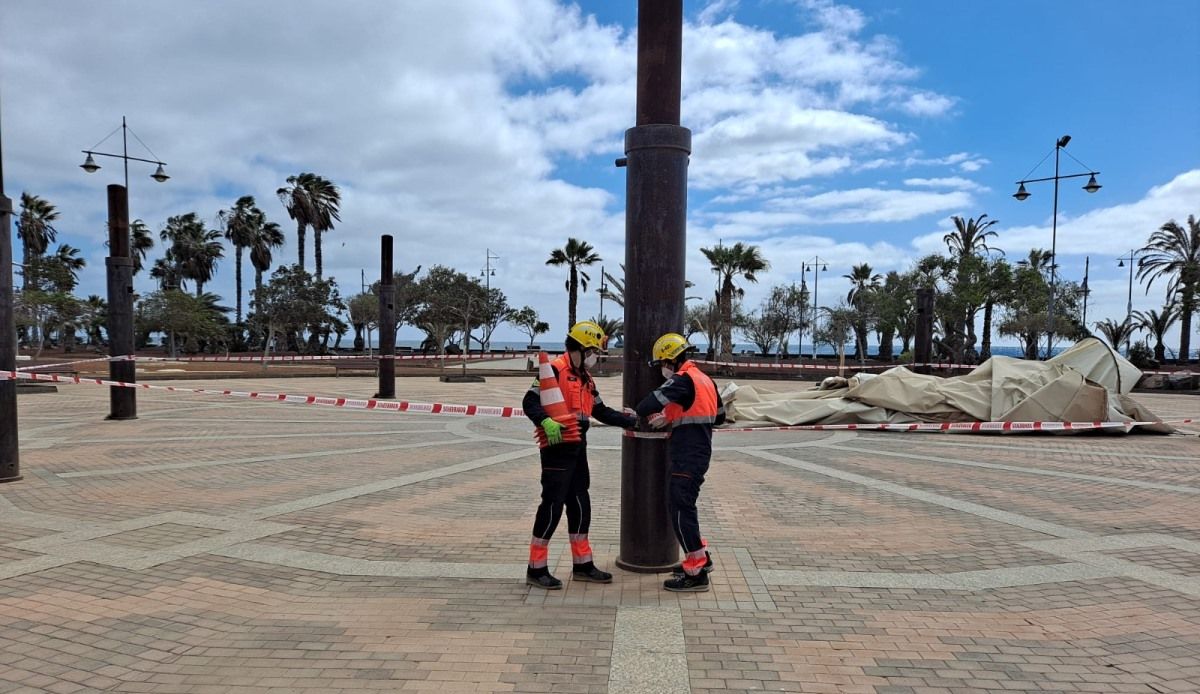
x,y
122,401
488,272
804,268
1129,300
1092,186
89,164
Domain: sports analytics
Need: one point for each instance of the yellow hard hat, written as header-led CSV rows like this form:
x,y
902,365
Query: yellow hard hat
x,y
669,347
589,335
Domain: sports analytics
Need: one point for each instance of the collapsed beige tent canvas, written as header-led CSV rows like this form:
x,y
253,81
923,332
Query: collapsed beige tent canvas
x,y
1088,382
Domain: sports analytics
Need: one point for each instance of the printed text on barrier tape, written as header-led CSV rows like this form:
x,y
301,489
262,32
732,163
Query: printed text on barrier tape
x,y
491,411
349,403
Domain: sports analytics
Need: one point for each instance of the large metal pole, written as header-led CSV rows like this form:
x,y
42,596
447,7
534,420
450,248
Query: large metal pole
x,y
387,320
657,151
10,453
122,402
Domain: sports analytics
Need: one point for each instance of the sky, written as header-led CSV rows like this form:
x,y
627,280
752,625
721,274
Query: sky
x,y
850,132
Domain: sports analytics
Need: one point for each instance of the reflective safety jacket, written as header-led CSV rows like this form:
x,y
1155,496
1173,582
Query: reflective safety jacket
x,y
705,402
692,405
581,396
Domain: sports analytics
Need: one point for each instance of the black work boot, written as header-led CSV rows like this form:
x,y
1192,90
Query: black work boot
x,y
708,565
541,578
589,573
687,584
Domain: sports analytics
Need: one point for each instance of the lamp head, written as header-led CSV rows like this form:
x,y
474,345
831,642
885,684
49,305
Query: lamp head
x,y
89,165
1062,141
160,175
1092,186
1021,193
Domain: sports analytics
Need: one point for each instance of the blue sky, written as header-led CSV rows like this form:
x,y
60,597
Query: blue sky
x,y
851,130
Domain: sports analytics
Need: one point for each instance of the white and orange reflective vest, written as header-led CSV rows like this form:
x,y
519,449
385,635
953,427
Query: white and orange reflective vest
x,y
576,391
704,406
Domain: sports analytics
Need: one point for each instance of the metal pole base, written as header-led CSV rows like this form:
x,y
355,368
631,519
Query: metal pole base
x,y
640,569
17,478
114,418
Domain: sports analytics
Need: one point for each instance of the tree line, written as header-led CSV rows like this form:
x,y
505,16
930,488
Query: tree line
x,y
979,292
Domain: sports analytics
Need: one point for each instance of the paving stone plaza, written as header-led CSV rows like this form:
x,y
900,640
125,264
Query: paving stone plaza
x,y
222,545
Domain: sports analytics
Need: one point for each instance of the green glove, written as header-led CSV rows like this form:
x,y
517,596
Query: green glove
x,y
553,431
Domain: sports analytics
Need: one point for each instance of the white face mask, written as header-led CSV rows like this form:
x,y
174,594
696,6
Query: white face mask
x,y
667,372
590,361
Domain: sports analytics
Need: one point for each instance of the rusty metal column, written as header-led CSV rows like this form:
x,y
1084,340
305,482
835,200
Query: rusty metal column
x,y
122,402
10,451
387,321
656,152
923,349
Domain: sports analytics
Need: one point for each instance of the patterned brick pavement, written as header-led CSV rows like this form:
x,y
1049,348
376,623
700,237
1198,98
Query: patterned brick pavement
x,y
229,546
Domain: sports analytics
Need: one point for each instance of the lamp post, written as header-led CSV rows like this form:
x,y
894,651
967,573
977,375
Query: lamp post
x,y
1092,186
488,273
1129,300
1084,289
804,268
602,290
122,401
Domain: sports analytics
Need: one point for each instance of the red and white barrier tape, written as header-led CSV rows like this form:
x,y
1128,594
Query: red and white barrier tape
x,y
70,363
333,357
489,411
348,403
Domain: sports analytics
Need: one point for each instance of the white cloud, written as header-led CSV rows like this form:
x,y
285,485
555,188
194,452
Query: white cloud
x,y
446,124
947,182
716,9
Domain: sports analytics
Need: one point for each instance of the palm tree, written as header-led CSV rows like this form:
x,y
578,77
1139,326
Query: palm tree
x,y
1174,251
267,238
1115,332
94,318
969,236
574,255
67,257
1157,324
141,241
194,249
241,223
864,282
166,273
313,202
728,262
36,229
614,328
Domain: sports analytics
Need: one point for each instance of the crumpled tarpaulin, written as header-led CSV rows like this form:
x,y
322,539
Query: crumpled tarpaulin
x,y
1087,383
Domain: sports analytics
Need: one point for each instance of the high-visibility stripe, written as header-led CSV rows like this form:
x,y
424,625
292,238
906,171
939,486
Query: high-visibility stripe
x,y
581,549
539,552
693,562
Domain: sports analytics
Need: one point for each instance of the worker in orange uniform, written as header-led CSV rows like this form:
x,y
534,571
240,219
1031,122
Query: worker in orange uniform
x,y
689,404
565,475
